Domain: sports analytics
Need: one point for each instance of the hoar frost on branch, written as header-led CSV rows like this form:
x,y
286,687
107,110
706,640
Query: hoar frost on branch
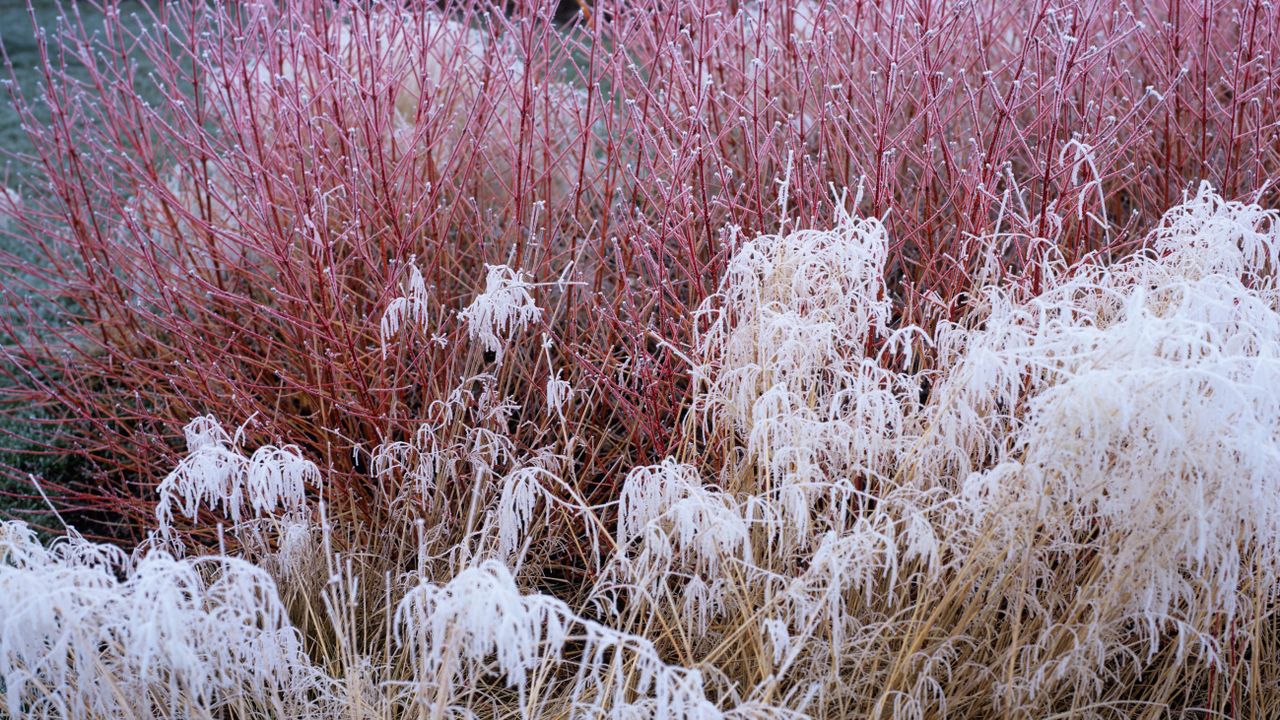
x,y
437,77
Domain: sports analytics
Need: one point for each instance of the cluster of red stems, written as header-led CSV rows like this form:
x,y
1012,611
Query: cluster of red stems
x,y
214,220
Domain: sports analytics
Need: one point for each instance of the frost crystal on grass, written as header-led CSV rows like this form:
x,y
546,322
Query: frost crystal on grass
x,y
85,634
503,309
410,308
1147,425
792,359
521,491
215,474
480,624
559,392
1086,496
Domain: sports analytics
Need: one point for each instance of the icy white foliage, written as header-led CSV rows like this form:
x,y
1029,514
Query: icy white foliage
x,y
701,524
559,393
1066,433
480,624
1136,408
502,310
797,359
407,309
218,476
435,453
85,633
522,489
1088,496
648,492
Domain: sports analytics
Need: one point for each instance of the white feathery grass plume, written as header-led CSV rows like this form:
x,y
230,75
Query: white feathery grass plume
x,y
703,602
675,533
217,475
1207,235
480,624
791,362
648,492
461,436
423,461
537,480
487,451
1135,409
86,634
408,308
521,490
426,458
503,309
559,393
1080,393
287,547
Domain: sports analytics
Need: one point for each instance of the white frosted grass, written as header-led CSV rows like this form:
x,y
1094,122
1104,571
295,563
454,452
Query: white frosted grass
x,y
502,310
708,551
408,309
796,356
462,441
523,489
559,393
647,493
1135,408
85,633
798,362
1129,414
480,624
701,524
217,475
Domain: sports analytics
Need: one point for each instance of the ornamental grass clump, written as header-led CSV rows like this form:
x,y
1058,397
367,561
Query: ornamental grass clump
x,y
1092,403
1055,512
480,623
802,355
503,309
89,632
217,475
